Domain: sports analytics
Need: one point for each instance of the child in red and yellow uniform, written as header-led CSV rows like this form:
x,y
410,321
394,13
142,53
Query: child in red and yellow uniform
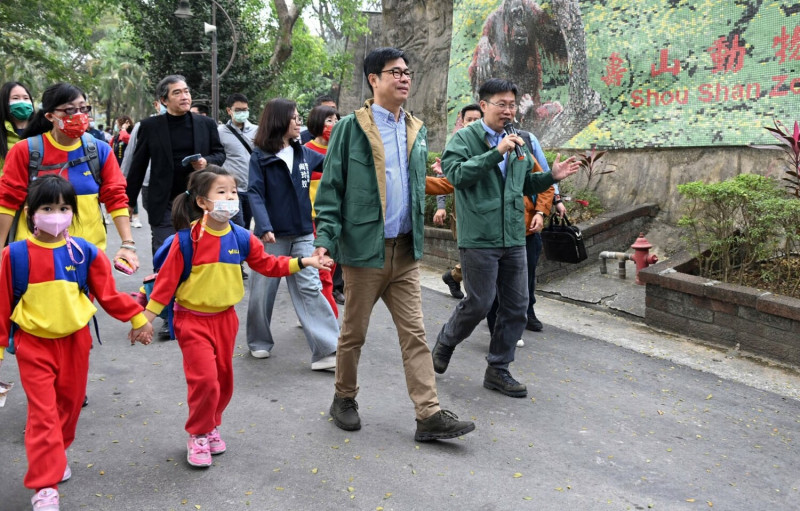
x,y
52,339
321,121
205,321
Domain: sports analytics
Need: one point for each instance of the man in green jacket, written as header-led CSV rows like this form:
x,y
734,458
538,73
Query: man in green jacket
x,y
490,181
370,209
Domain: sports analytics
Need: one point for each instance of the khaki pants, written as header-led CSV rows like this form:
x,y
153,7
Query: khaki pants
x,y
397,284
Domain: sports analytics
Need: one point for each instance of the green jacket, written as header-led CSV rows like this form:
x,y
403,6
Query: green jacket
x,y
12,138
490,210
351,199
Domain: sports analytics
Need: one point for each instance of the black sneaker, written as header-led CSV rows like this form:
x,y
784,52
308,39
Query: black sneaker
x,y
85,401
442,425
455,287
502,381
344,411
441,356
534,324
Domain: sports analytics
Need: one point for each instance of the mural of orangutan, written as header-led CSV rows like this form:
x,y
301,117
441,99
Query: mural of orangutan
x,y
516,37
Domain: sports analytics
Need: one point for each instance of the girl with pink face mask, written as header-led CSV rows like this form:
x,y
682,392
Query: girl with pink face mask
x,y
57,129
51,338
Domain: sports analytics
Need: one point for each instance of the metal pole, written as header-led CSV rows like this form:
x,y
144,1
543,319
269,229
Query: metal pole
x,y
214,75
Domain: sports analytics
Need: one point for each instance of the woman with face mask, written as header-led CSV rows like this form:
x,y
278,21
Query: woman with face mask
x,y
280,171
16,107
57,129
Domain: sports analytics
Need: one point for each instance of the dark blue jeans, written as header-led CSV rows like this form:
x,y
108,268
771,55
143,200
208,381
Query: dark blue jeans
x,y
533,249
490,273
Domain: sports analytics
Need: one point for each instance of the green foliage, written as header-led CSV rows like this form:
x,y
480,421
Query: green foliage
x,y
790,144
735,224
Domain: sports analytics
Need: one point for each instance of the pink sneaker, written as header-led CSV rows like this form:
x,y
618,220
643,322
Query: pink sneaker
x,y
45,499
215,442
67,474
199,453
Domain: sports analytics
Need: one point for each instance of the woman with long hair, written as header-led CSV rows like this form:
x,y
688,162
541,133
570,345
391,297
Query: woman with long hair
x,y
56,134
280,172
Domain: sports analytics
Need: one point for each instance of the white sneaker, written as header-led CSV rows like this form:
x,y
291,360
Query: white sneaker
x,y
259,353
45,499
135,222
67,474
299,325
520,343
327,363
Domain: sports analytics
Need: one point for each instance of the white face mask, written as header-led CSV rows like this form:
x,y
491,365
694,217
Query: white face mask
x,y
224,210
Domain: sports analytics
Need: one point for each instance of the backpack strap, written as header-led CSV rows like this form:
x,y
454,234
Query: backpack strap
x,y
185,241
35,155
20,268
526,136
82,274
92,156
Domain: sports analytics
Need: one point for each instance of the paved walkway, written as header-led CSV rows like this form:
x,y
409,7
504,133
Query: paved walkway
x,y
618,417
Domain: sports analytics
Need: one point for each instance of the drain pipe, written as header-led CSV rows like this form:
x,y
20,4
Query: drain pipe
x,y
619,256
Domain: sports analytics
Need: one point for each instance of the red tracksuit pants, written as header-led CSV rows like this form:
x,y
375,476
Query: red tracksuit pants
x,y
207,346
326,278
53,373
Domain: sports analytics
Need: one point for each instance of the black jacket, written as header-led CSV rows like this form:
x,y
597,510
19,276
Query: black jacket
x,y
153,144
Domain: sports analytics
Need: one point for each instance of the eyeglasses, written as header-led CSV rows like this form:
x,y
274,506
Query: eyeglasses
x,y
72,110
504,106
297,119
399,73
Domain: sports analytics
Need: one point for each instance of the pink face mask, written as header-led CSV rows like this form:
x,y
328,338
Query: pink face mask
x,y
53,224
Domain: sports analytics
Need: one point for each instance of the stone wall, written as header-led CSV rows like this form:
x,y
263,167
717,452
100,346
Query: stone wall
x,y
725,315
615,231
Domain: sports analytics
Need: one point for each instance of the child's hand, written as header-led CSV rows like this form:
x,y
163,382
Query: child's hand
x,y
143,335
318,262
149,315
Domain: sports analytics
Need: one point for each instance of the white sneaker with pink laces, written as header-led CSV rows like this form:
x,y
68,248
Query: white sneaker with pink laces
x,y
215,443
45,499
198,451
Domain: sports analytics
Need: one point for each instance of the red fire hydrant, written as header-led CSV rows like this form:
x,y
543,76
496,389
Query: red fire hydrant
x,y
641,255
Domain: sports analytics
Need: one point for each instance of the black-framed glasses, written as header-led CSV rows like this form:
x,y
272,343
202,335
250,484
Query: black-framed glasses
x,y
72,110
398,73
297,119
503,106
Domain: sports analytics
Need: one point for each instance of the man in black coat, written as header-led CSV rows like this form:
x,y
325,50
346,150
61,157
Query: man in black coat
x,y
165,140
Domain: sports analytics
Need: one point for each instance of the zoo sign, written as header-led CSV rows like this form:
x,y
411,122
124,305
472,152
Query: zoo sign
x,y
617,73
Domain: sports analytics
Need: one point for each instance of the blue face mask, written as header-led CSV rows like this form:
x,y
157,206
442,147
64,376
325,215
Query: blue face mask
x,y
162,109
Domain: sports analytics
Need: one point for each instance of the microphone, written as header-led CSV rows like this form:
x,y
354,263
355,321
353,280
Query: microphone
x,y
511,130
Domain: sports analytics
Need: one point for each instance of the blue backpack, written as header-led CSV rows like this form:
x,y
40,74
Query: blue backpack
x,y
20,275
187,250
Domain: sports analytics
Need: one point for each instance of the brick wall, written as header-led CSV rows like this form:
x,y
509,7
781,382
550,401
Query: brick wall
x,y
615,231
721,314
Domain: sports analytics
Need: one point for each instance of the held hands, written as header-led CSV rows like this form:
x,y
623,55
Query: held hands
x,y
324,258
322,263
130,256
564,169
143,334
199,164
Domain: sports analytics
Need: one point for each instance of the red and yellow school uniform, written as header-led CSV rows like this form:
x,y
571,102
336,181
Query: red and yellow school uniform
x,y
52,345
89,226
325,277
205,321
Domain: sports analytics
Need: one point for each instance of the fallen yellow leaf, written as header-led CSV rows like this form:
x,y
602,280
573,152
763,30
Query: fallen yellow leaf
x,y
314,470
517,475
197,506
248,493
689,500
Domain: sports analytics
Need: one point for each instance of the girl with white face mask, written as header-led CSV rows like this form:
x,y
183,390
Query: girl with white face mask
x,y
16,107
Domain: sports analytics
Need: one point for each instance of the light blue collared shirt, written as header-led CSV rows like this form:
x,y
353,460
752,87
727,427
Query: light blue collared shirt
x,y
494,139
398,193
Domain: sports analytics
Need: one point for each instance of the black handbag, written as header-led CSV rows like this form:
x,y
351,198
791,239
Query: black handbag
x,y
563,242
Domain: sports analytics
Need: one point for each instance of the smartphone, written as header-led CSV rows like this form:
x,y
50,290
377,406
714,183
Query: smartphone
x,y
189,159
123,266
